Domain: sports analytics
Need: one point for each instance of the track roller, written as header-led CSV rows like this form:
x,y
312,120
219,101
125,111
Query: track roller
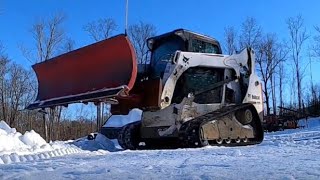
x,y
245,139
219,141
227,141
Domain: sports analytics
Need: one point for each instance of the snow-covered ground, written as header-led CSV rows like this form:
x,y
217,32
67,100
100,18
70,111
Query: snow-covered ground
x,y
289,154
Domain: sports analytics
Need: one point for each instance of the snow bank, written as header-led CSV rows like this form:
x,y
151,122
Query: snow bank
x,y
15,147
9,138
121,120
32,139
101,142
4,127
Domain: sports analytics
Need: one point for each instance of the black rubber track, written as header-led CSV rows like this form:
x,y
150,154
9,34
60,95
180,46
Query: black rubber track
x,y
189,131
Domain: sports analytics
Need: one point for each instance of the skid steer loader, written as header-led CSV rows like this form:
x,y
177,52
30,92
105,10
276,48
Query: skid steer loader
x,y
191,95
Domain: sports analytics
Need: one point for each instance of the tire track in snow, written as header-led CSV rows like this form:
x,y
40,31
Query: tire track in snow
x,y
15,158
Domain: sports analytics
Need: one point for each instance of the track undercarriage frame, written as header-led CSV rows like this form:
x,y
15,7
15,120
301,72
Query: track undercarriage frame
x,y
221,127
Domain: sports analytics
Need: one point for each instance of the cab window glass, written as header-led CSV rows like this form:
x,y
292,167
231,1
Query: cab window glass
x,y
203,47
163,52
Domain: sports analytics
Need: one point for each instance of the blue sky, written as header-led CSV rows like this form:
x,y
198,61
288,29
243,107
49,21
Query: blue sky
x,y
203,16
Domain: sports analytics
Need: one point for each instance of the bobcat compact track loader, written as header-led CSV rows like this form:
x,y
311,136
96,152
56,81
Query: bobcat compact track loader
x,y
191,95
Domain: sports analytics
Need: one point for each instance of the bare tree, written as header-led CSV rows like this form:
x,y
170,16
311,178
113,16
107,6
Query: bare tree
x,y
18,87
14,90
4,63
270,53
230,36
49,38
297,39
139,33
314,100
68,45
281,72
29,116
277,54
316,46
101,29
251,34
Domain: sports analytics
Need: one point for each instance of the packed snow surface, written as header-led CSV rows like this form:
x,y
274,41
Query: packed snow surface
x,y
289,154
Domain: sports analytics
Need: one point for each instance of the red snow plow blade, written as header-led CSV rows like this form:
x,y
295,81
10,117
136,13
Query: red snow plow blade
x,y
89,74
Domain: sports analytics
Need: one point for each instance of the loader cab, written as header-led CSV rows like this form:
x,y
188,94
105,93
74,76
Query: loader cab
x,y
146,93
163,48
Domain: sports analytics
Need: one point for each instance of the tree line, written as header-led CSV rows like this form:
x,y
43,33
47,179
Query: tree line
x,y
18,85
280,63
